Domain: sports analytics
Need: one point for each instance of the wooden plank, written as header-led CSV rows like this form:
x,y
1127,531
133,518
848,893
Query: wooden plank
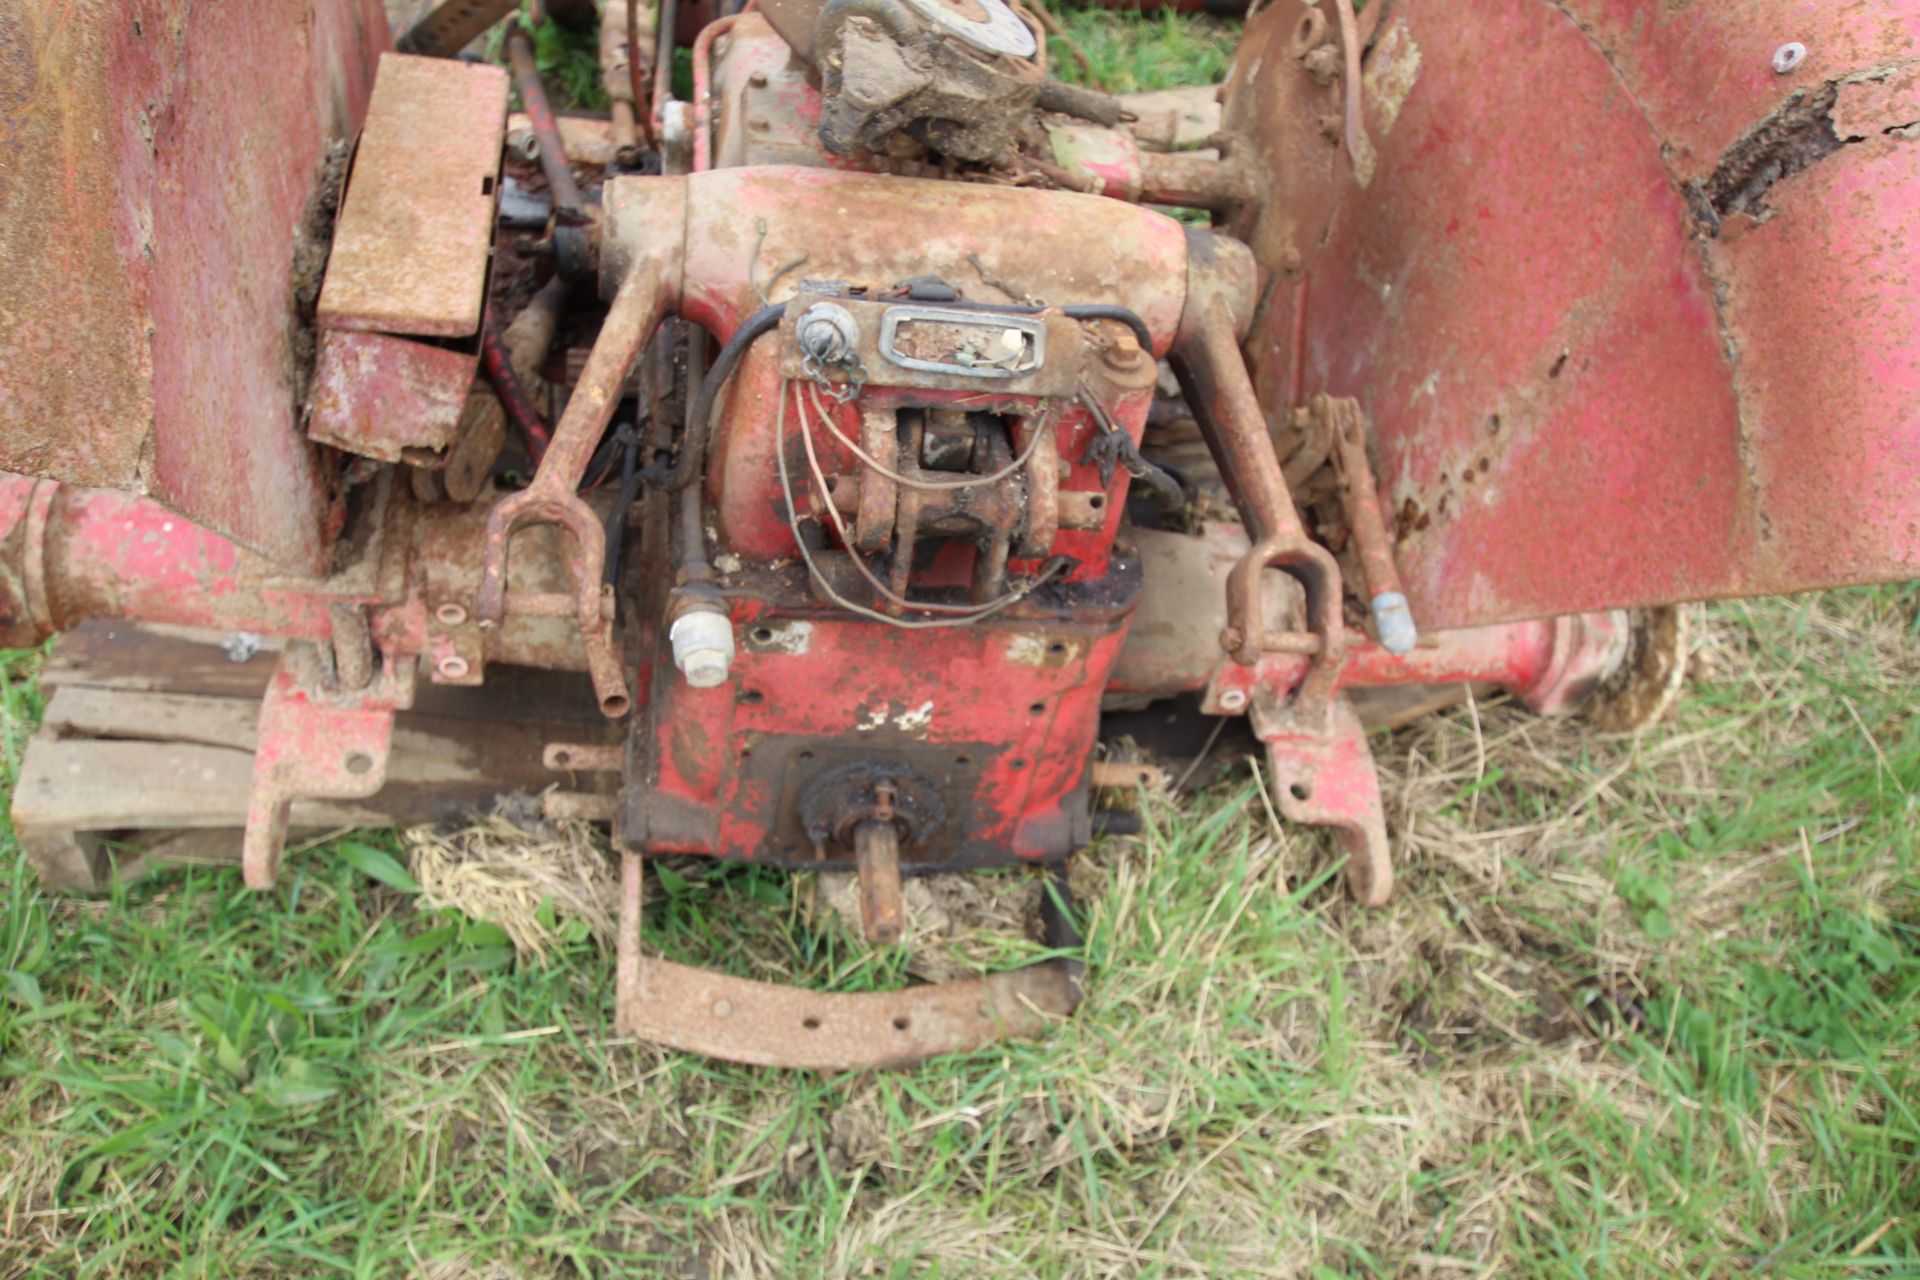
x,y
110,654
89,784
181,660
84,711
145,756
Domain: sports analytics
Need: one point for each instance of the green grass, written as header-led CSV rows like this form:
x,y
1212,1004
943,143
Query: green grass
x,y
1127,51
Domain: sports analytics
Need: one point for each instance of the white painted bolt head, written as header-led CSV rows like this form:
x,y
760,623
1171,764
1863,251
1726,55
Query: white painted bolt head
x,y
1788,56
1233,699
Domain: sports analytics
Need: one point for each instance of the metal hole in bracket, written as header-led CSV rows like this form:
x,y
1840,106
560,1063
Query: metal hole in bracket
x,y
562,759
1311,31
811,1024
763,635
359,763
902,1022
1301,791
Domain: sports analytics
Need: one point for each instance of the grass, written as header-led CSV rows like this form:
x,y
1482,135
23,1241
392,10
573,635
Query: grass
x,y
1127,51
1640,1007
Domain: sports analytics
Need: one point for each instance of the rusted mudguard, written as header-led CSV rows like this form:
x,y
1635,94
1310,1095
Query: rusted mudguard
x,y
1633,312
166,170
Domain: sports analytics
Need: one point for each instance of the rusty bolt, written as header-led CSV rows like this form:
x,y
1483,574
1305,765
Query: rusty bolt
x,y
1333,128
450,615
1323,64
1788,56
1123,350
1289,260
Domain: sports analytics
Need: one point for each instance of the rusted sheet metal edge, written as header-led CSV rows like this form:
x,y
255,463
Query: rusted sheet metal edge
x,y
380,394
411,249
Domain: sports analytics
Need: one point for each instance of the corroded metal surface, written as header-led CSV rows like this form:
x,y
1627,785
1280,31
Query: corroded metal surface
x,y
1615,273
443,29
1207,358
316,740
1324,776
699,1011
416,229
162,218
380,395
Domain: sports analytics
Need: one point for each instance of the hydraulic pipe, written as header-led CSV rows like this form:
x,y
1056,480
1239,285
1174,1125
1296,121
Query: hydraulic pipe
x,y
553,153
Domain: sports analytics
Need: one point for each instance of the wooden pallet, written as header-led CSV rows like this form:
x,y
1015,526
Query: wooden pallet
x,y
145,755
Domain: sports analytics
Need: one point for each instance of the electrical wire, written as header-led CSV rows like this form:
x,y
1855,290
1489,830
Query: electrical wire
x,y
1358,146
1051,570
840,527
971,482
1128,454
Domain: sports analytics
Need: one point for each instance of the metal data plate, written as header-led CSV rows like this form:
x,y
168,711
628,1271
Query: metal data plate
x,y
416,229
965,344
930,347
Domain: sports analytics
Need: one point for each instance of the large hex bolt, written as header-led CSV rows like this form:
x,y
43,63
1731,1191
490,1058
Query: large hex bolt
x,y
703,647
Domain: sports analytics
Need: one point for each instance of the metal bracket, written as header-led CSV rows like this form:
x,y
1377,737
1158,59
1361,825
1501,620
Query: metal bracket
x,y
315,743
1324,776
770,1024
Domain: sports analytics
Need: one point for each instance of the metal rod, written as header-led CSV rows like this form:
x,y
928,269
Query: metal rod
x,y
666,19
637,78
553,153
703,90
1360,501
876,848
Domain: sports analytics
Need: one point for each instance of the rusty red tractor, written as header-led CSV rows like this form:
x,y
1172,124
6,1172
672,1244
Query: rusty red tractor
x,y
795,474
